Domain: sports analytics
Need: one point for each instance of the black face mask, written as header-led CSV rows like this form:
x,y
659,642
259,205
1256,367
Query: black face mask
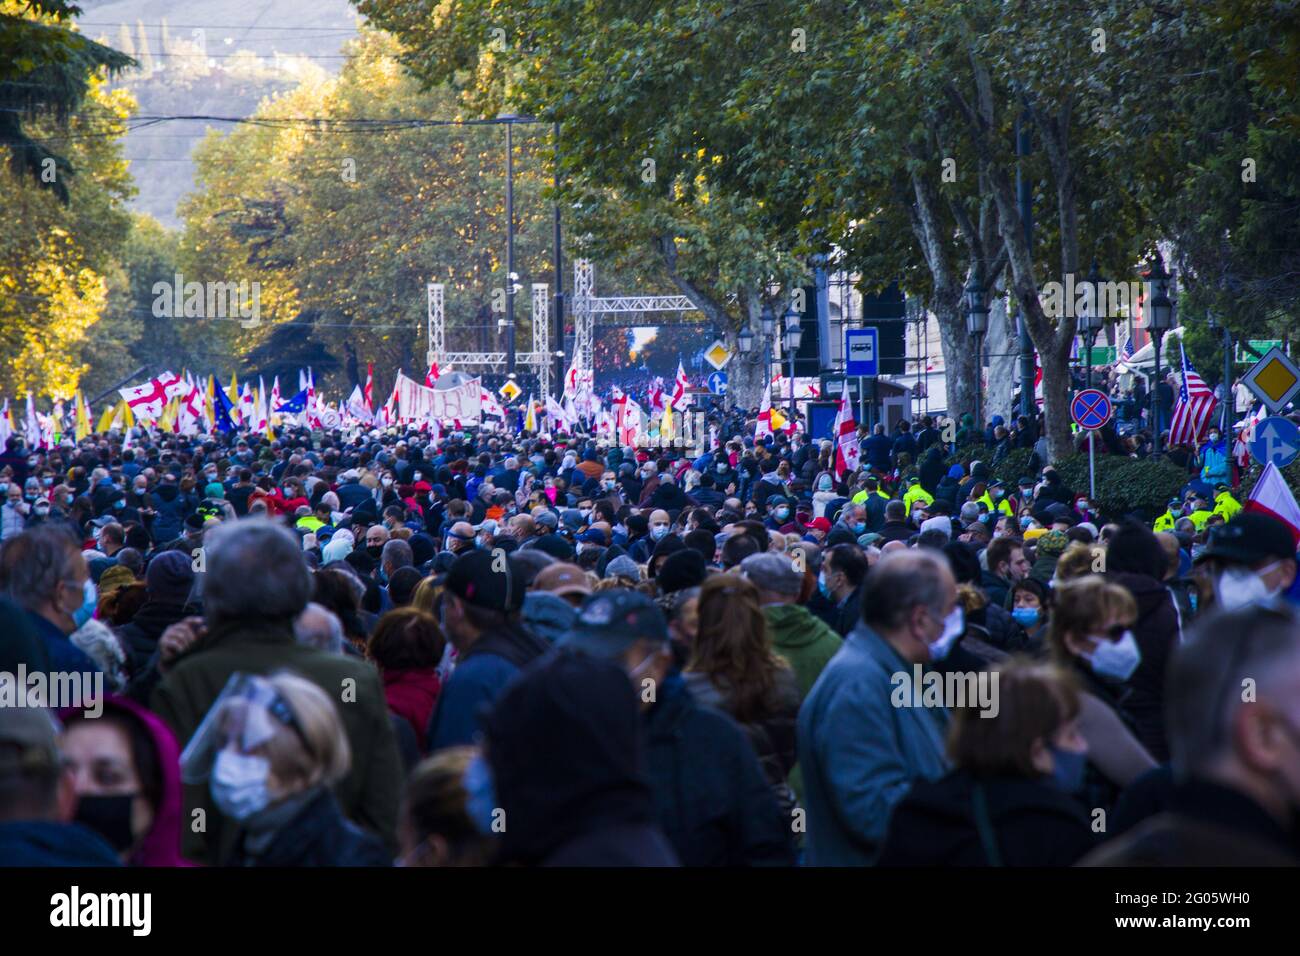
x,y
374,550
110,817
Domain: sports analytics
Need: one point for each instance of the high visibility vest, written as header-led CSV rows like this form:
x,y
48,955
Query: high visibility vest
x,y
1199,518
310,522
914,494
1165,522
1000,507
1226,505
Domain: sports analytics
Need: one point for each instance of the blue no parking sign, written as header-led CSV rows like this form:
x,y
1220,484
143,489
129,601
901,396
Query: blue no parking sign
x,y
1091,409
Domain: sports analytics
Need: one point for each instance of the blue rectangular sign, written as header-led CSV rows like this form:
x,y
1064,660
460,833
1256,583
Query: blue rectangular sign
x,y
861,351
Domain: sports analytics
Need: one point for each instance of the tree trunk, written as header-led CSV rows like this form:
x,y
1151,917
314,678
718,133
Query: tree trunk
x,y
961,371
747,374
1003,350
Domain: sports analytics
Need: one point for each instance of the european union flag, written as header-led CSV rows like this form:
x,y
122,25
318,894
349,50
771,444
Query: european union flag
x,y
221,407
296,404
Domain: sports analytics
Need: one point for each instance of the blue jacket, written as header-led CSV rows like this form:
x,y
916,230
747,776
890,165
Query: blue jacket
x,y
64,656
47,843
875,449
859,754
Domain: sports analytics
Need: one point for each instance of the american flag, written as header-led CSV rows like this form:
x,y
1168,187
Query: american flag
x,y
1194,408
1126,350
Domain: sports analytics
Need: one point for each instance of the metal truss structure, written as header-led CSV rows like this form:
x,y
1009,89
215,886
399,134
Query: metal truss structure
x,y
587,307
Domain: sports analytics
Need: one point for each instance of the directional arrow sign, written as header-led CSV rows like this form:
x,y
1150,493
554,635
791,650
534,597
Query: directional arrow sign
x,y
1276,440
718,383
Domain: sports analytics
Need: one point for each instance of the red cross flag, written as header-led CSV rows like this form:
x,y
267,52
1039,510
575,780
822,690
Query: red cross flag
x,y
846,436
148,401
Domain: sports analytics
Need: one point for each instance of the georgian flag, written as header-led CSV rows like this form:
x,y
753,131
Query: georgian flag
x,y
489,404
847,450
680,384
370,386
148,401
763,427
1272,496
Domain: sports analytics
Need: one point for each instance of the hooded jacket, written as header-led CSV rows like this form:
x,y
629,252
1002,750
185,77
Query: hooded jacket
x,y
1157,631
1030,822
710,794
481,673
564,746
170,508
805,641
161,846
141,634
412,694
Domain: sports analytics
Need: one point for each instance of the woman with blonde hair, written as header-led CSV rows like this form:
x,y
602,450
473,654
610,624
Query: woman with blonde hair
x,y
437,826
271,749
732,668
1090,634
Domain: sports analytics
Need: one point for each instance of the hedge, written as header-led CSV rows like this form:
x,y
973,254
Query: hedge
x,y
1125,485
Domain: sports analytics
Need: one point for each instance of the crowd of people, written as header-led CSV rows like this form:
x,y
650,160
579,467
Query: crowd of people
x,y
502,648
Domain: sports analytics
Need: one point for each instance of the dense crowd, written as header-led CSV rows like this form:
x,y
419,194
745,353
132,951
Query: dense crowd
x,y
495,648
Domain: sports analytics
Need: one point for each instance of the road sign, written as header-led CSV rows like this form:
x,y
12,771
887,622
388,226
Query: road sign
x,y
1091,409
718,383
861,352
510,390
1276,440
1275,380
1257,347
717,355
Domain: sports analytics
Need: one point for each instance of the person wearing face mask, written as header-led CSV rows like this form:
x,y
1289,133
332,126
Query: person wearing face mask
x,y
1249,560
909,616
1009,800
710,794
844,567
43,572
778,512
1234,798
14,514
1215,459
442,822
126,768
1090,634
824,494
795,633
270,750
658,527
1031,608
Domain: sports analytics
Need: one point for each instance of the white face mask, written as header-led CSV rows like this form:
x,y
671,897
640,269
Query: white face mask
x,y
953,627
239,784
1239,587
1117,659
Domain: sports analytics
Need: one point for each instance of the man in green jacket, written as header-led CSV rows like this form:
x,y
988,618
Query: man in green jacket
x,y
796,634
256,583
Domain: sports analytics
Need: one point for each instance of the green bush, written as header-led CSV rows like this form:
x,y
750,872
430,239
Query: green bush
x,y
1125,485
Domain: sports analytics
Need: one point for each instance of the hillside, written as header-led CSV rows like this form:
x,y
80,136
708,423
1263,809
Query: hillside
x,y
209,58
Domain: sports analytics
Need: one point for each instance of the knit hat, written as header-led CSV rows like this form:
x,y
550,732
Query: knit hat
x,y
1053,543
680,570
170,577
117,576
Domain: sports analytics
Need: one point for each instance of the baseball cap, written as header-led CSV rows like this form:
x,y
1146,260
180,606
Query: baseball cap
x,y
494,582
772,572
609,622
562,579
1250,538
29,741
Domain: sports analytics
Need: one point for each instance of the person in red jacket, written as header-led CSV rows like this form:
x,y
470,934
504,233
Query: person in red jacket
x,y
407,646
289,497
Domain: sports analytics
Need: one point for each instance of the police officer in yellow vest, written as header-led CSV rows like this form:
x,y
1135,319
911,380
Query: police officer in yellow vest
x,y
1200,512
1170,518
994,499
1224,503
916,493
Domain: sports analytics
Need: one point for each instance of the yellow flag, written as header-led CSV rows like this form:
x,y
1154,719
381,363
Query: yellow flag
x,y
128,417
83,417
778,420
106,419
666,428
530,423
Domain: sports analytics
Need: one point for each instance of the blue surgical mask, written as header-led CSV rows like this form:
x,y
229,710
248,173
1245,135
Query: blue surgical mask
x,y
821,585
90,599
860,528
1026,616
782,513
480,794
240,784
1068,767
1116,659
1025,522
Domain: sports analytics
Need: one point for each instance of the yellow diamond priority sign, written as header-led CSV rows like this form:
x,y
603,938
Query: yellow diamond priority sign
x,y
1275,379
510,391
717,355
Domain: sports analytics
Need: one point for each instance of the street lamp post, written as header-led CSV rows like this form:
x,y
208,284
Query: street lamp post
x,y
767,322
1091,319
977,324
1159,320
793,337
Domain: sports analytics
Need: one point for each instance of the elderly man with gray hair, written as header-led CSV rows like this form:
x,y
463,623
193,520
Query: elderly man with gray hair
x,y
859,754
795,633
255,586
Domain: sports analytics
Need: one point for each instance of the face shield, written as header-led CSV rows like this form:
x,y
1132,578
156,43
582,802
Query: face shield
x,y
245,715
